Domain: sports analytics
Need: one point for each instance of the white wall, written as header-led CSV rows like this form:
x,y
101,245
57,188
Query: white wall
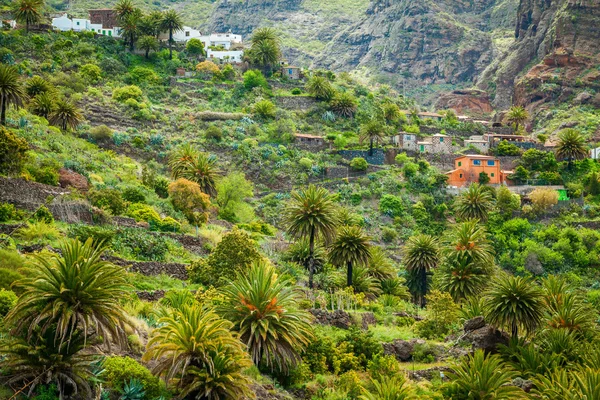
x,y
62,23
234,56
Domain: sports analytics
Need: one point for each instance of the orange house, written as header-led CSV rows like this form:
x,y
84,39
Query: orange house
x,y
467,169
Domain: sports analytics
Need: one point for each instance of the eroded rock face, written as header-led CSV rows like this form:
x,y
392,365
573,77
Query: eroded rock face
x,y
68,178
470,101
401,349
474,323
339,318
486,338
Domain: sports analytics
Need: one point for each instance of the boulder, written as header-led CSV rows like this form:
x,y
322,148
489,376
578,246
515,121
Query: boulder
x,y
338,318
429,374
474,323
68,178
486,338
368,318
401,349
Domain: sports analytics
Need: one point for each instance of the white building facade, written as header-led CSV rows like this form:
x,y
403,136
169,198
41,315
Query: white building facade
x,y
64,23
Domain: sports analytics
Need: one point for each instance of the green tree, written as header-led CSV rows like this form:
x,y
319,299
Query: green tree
x,y
311,214
195,166
351,247
515,303
483,377
474,203
373,131
421,257
171,22
196,351
149,25
571,146
263,308
265,49
593,183
11,90
13,151
467,260
147,43
28,12
517,116
507,202
75,292
320,87
130,29
37,85
187,197
232,190
65,114
123,8
195,47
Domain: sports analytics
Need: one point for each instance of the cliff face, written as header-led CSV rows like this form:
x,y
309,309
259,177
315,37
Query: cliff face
x,y
553,58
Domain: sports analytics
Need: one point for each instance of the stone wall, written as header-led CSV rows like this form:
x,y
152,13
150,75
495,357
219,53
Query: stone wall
x,y
151,268
31,195
378,157
302,103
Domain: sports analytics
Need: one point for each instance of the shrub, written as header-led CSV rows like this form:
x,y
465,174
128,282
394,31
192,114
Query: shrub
x,y
228,72
140,244
207,69
363,344
13,152
296,91
235,253
169,224
213,133
109,199
127,92
82,232
35,231
46,174
359,164
543,199
8,299
91,72
264,109
187,197
101,133
388,235
161,187
424,352
305,163
383,365
254,78
8,212
505,148
8,275
194,47
134,194
391,205
120,370
43,214
142,74
143,212
442,315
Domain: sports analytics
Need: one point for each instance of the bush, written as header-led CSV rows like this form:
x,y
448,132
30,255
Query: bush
x,y
388,235
505,148
363,344
142,74
120,370
382,365
213,133
143,212
101,133
8,212
127,92
543,199
161,187
264,109
391,205
254,78
296,91
169,224
359,164
38,231
305,163
228,73
194,47
91,72
424,352
8,299
109,199
13,152
48,174
140,244
134,194
187,197
8,275
82,232
207,69
43,214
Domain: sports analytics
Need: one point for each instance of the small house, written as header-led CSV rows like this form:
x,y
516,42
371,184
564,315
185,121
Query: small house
x,y
406,141
478,142
309,140
290,72
468,168
431,115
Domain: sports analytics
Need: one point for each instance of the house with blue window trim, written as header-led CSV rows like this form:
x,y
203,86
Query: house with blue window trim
x,y
469,168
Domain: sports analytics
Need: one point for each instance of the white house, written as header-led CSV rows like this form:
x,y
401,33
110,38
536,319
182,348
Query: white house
x,y
231,56
64,23
183,35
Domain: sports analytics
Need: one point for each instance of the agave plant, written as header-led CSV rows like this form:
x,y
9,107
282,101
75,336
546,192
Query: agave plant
x,y
196,351
72,292
564,385
133,390
262,308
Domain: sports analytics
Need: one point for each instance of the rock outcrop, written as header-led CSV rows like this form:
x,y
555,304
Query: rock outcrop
x,y
470,101
338,318
483,336
401,349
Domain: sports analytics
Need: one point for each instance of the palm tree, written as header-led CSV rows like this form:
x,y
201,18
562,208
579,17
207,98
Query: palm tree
x,y
467,260
481,377
263,309
320,88
514,302
43,105
11,90
421,256
517,115
380,266
196,350
37,85
474,203
344,104
571,146
391,113
195,166
130,27
66,115
389,388
171,23
371,131
124,8
28,12
350,247
75,291
147,43
263,34
149,25
41,359
265,50
311,213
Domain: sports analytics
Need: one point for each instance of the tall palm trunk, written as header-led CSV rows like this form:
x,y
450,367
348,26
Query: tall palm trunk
x,y
515,331
311,258
170,44
371,148
349,274
423,279
131,40
147,52
3,111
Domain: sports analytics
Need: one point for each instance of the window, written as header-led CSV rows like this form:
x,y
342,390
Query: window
x,y
109,33
103,32
78,23
460,163
491,163
492,174
460,176
407,137
290,71
187,33
441,140
476,162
